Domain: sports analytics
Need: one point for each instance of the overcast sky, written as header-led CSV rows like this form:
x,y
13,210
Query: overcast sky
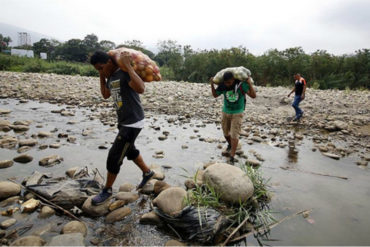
x,y
338,26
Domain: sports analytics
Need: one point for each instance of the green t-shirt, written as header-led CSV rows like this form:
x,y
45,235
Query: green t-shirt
x,y
234,98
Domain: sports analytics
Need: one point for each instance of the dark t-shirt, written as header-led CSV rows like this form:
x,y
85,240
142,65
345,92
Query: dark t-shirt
x,y
126,100
299,84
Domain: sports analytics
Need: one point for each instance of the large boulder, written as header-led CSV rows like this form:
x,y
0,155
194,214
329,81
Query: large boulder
x,y
99,210
171,201
8,189
230,182
128,197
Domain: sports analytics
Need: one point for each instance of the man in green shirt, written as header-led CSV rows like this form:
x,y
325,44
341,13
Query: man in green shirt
x,y
234,105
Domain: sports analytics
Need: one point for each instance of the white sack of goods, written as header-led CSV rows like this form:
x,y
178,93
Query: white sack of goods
x,y
240,73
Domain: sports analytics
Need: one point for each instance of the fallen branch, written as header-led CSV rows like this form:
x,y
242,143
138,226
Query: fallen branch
x,y
314,173
270,226
235,230
49,202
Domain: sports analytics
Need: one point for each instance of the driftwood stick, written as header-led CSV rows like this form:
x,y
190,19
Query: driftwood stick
x,y
235,230
51,203
314,173
270,226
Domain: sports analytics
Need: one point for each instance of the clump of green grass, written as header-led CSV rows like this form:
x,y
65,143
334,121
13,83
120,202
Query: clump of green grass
x,y
255,210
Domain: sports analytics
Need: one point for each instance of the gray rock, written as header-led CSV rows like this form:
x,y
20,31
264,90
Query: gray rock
x,y
230,182
256,139
6,163
99,210
4,111
171,201
8,189
162,138
160,186
128,197
19,128
71,239
28,241
54,145
46,212
117,215
75,227
253,163
7,223
23,158
50,160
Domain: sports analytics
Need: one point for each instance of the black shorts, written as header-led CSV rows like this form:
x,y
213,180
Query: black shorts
x,y
123,146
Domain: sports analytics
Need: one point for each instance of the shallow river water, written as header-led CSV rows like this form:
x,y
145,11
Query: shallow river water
x,y
340,207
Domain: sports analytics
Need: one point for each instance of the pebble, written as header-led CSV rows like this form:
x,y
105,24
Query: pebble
x,y
6,163
23,158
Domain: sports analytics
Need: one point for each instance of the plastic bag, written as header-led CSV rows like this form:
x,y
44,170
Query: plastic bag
x,y
239,73
146,68
196,224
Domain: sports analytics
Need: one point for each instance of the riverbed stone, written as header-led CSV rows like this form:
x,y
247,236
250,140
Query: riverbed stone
x,y
171,201
75,227
50,160
29,241
128,197
117,214
173,242
331,155
71,239
160,186
7,223
20,128
117,204
23,158
44,134
98,210
46,212
126,187
230,182
9,201
150,218
6,163
8,189
30,205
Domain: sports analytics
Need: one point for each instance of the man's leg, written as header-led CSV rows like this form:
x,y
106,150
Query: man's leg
x,y
141,164
226,125
295,104
236,124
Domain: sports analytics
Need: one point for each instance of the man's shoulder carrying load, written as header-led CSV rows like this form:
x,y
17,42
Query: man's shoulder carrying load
x,y
241,73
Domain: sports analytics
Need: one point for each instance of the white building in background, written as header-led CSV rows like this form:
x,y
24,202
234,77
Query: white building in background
x,y
43,55
21,52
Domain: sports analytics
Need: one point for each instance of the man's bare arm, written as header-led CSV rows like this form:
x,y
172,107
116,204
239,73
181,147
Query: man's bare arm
x,y
251,92
103,89
213,88
136,83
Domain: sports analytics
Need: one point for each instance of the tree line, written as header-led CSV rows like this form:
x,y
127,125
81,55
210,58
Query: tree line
x,y
273,68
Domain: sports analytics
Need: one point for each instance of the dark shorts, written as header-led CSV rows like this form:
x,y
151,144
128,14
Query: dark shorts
x,y
123,146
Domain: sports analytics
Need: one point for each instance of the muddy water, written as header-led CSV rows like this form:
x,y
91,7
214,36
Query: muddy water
x,y
340,208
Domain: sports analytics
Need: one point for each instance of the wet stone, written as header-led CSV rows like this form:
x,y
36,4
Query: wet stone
x,y
23,149
118,214
6,163
126,187
116,204
27,142
75,227
50,160
71,239
333,156
29,241
30,205
150,218
7,223
23,158
54,145
46,212
44,134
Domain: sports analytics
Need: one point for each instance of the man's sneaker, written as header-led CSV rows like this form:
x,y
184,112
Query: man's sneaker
x,y
100,198
146,177
233,160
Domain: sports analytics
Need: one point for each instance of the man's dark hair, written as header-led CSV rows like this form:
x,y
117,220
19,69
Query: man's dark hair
x,y
99,57
228,75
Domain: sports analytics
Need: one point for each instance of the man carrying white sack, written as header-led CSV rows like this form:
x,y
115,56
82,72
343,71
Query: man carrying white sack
x,y
234,92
